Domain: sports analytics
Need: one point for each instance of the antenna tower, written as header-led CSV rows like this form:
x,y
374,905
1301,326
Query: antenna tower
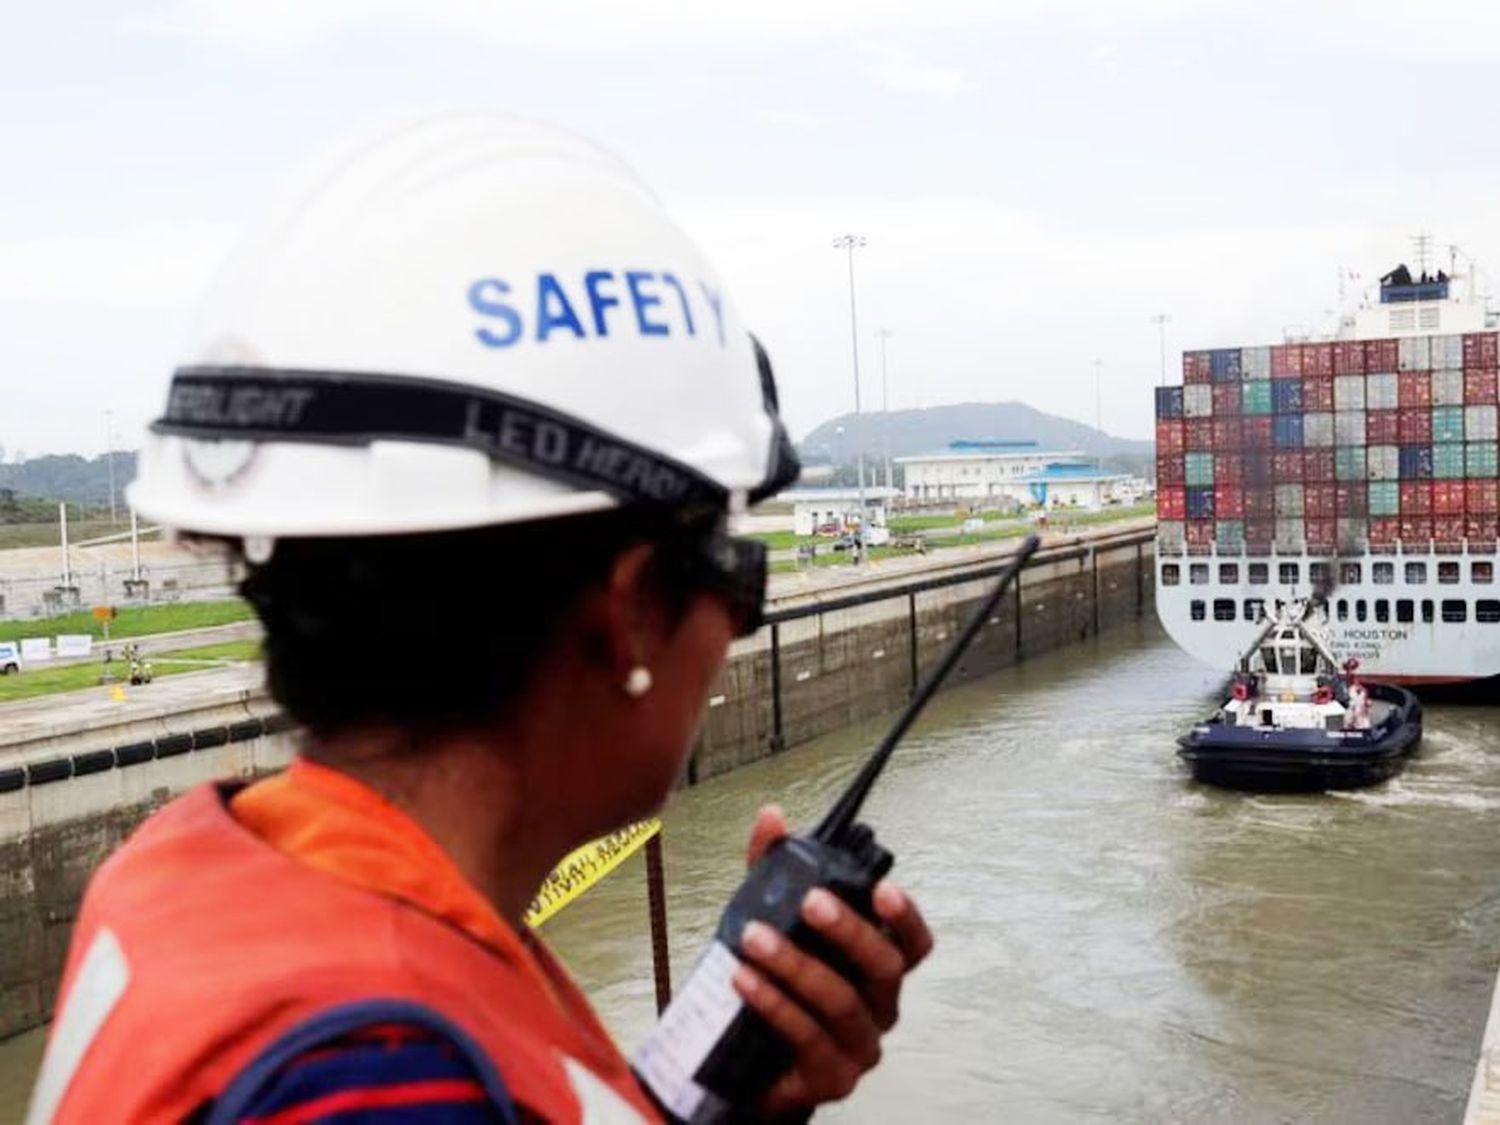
x,y
1421,245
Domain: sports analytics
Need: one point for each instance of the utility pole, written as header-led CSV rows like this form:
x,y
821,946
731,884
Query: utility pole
x,y
1161,320
67,565
849,243
884,334
109,455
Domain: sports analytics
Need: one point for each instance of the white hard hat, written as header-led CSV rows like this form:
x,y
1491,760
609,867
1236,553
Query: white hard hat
x,y
467,320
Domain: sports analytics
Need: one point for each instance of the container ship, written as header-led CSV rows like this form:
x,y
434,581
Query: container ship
x,y
1361,469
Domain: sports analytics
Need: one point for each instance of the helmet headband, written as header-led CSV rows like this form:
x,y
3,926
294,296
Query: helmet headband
x,y
357,408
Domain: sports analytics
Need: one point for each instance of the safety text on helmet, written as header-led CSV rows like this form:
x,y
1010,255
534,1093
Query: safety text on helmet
x,y
640,302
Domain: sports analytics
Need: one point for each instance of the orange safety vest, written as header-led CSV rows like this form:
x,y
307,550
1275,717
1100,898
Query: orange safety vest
x,y
204,959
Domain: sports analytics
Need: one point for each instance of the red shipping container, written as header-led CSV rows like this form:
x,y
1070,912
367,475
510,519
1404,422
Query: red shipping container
x,y
1171,471
1414,388
1382,355
1349,357
1414,425
1226,432
1257,463
1416,529
1229,468
1416,498
1286,361
1171,503
1480,350
1260,532
1385,529
1286,467
1448,498
1317,465
1200,533
1317,392
1199,434
1481,527
1318,501
1260,504
1322,535
1382,427
1169,436
1195,367
1350,498
1317,359
1229,502
1226,398
1257,431
1482,496
1479,386
1448,529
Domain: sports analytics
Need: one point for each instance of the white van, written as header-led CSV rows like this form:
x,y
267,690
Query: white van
x,y
10,657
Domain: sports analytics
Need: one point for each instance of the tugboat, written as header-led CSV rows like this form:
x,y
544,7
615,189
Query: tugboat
x,y
1297,720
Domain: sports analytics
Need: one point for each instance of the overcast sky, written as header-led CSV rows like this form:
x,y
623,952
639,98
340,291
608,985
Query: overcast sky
x,y
1035,178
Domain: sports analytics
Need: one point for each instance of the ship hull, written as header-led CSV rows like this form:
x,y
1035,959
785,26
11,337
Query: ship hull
x,y
1213,620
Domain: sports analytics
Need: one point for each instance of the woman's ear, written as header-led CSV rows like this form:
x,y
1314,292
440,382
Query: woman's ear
x,y
633,620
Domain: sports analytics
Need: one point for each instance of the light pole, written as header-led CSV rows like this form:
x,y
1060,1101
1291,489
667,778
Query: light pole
x,y
884,334
109,456
1161,320
849,243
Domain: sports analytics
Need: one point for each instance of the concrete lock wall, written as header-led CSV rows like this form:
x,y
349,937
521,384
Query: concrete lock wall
x,y
68,797
844,666
53,836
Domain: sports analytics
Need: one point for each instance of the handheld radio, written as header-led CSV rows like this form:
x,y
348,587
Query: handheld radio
x,y
710,1058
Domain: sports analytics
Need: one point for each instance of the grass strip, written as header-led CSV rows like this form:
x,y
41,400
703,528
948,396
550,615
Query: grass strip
x,y
35,682
133,621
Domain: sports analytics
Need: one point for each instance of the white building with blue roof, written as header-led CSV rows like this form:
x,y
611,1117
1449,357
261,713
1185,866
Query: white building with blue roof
x,y
980,473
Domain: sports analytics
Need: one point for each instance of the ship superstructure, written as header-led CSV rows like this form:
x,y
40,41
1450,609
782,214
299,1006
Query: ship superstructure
x,y
1362,469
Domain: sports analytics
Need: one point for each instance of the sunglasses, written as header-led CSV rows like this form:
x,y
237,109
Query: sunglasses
x,y
733,569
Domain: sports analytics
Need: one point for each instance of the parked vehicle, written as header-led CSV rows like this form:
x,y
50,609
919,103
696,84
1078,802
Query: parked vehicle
x,y
10,657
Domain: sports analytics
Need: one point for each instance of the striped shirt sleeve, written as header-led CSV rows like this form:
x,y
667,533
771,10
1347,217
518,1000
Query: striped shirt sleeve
x,y
388,1074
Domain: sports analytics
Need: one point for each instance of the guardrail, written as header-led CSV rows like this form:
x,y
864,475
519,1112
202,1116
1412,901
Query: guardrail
x,y
47,771
1081,549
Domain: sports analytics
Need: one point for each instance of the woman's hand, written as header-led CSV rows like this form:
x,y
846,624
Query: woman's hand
x,y
834,1026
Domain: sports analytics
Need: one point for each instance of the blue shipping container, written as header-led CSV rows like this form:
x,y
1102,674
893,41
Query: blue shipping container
x,y
1286,396
1198,468
1169,402
1447,423
1416,462
1200,503
1448,460
1224,365
1385,498
1286,431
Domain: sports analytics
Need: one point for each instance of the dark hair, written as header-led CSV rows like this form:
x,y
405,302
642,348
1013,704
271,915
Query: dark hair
x,y
437,631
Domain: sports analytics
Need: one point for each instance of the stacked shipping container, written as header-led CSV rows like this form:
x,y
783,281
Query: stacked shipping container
x,y
1332,446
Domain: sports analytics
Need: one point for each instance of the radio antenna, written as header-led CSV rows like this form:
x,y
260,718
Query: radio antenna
x,y
841,816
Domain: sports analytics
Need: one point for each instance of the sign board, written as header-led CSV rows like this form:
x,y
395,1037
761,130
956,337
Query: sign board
x,y
74,644
36,650
103,613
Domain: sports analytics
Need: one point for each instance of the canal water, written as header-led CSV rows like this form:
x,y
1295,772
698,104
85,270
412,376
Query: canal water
x,y
1116,942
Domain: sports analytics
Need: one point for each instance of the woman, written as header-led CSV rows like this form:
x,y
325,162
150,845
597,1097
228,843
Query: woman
x,y
476,414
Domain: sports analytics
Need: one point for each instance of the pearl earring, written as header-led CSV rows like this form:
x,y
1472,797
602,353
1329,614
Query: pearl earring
x,y
638,683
